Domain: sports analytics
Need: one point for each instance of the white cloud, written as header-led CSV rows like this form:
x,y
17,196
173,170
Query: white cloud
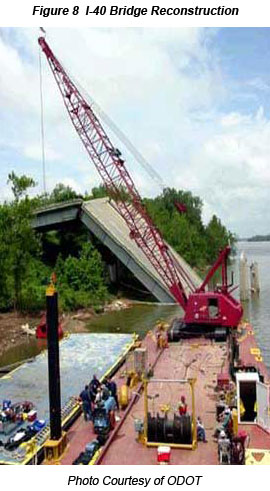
x,y
259,84
33,151
235,171
67,181
163,88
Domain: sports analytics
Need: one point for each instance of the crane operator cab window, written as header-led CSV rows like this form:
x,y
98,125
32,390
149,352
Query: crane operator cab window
x,y
213,308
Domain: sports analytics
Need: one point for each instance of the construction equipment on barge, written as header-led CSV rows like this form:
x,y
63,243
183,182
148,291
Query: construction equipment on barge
x,y
42,331
203,309
212,313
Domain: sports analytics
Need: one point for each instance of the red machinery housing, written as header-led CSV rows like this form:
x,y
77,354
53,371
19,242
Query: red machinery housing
x,y
41,329
216,308
206,308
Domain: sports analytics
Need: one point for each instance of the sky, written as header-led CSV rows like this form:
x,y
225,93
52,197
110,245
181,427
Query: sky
x,y
195,102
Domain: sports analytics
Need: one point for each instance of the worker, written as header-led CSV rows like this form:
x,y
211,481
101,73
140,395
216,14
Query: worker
x,y
182,406
165,341
109,404
94,384
230,395
150,371
238,448
98,398
105,392
86,404
93,387
225,422
111,384
201,436
224,448
158,340
255,410
242,410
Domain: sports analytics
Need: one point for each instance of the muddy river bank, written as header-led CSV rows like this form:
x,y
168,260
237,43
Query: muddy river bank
x,y
121,316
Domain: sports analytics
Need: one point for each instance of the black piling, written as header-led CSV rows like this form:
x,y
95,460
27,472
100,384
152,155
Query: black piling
x,y
53,363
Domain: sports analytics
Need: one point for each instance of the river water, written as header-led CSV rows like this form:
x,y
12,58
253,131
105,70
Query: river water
x,y
141,317
257,309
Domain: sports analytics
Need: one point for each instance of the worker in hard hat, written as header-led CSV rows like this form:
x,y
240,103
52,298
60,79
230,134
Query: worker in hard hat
x,y
182,406
201,436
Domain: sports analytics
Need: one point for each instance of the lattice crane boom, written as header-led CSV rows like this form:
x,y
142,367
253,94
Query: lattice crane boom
x,y
117,180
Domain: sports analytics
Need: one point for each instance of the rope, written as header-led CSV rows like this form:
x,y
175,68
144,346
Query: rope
x,y
42,124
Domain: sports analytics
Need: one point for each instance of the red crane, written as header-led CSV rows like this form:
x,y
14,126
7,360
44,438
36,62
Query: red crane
x,y
196,303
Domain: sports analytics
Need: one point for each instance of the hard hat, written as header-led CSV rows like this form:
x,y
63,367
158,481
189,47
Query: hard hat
x,y
222,434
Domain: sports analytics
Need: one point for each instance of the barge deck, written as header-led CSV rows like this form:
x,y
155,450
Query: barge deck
x,y
81,355
201,359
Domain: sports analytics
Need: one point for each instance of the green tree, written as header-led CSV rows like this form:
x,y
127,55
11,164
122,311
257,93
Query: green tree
x,y
217,237
18,242
27,261
62,193
6,290
20,184
81,280
183,231
23,245
98,192
197,243
33,287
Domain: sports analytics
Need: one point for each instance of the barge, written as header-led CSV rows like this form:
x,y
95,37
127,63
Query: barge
x,y
167,390
81,355
228,372
207,372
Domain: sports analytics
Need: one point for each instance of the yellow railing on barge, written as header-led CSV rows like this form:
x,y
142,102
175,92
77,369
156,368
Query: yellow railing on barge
x,y
27,453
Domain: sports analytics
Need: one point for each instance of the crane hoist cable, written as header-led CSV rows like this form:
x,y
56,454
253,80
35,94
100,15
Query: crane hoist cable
x,y
118,181
124,139
42,124
116,178
186,279
118,132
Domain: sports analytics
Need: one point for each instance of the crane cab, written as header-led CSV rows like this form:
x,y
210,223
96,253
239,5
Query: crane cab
x,y
213,309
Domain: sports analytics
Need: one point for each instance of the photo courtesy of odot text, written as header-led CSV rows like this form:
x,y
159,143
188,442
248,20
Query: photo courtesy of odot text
x,y
135,481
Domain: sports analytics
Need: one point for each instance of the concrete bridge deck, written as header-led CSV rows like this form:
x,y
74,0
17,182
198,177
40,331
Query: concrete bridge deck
x,y
103,220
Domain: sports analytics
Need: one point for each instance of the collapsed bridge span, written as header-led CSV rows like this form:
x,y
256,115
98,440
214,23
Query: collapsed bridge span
x,y
104,222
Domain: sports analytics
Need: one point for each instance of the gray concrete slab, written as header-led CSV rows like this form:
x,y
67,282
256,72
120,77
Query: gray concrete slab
x,y
104,221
